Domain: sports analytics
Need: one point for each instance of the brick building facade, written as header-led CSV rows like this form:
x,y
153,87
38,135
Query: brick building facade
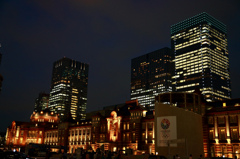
x,y
222,128
117,128
129,126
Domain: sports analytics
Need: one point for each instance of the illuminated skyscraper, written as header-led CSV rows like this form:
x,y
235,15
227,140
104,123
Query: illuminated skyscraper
x,y
150,75
41,103
69,89
201,57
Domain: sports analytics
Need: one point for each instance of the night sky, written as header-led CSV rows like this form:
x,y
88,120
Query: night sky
x,y
106,34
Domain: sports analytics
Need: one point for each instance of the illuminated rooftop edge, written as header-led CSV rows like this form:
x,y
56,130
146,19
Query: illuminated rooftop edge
x,y
197,19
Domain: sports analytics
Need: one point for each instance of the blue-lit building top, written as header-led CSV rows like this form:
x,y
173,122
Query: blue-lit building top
x,y
196,20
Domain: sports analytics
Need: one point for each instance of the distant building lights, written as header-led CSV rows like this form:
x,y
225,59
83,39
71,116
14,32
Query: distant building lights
x,y
224,104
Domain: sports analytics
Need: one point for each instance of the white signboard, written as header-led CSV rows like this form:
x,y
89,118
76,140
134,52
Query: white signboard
x,y
167,131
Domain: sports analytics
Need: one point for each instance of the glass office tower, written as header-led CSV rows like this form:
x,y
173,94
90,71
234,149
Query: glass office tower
x,y
201,57
150,75
69,89
41,102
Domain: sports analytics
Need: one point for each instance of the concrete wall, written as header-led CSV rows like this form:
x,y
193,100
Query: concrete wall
x,y
189,131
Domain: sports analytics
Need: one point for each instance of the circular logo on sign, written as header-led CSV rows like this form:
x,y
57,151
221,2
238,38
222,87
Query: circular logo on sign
x,y
165,123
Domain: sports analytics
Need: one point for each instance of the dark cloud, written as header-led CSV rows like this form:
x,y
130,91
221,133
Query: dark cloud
x,y
106,34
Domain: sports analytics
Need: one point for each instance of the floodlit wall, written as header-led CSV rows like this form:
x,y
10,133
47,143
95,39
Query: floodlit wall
x,y
178,131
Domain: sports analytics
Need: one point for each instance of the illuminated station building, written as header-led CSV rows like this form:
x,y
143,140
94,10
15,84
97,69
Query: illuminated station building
x,y
223,128
213,126
119,127
69,89
150,75
201,57
19,134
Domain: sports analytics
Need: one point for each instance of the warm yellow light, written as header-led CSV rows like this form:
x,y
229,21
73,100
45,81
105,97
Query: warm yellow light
x,y
237,104
114,126
228,141
224,104
144,113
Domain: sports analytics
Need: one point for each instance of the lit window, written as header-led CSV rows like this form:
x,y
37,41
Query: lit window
x,y
234,134
224,104
211,134
222,135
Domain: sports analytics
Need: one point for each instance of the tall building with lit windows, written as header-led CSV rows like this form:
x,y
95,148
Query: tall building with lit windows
x,y
150,75
201,57
41,102
69,89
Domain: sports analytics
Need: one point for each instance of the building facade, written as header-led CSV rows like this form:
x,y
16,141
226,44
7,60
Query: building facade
x,y
2,140
201,57
150,75
222,129
130,126
69,89
20,134
41,103
127,126
178,122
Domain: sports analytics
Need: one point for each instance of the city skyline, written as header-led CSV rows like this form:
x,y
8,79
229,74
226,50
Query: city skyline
x,y
34,34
